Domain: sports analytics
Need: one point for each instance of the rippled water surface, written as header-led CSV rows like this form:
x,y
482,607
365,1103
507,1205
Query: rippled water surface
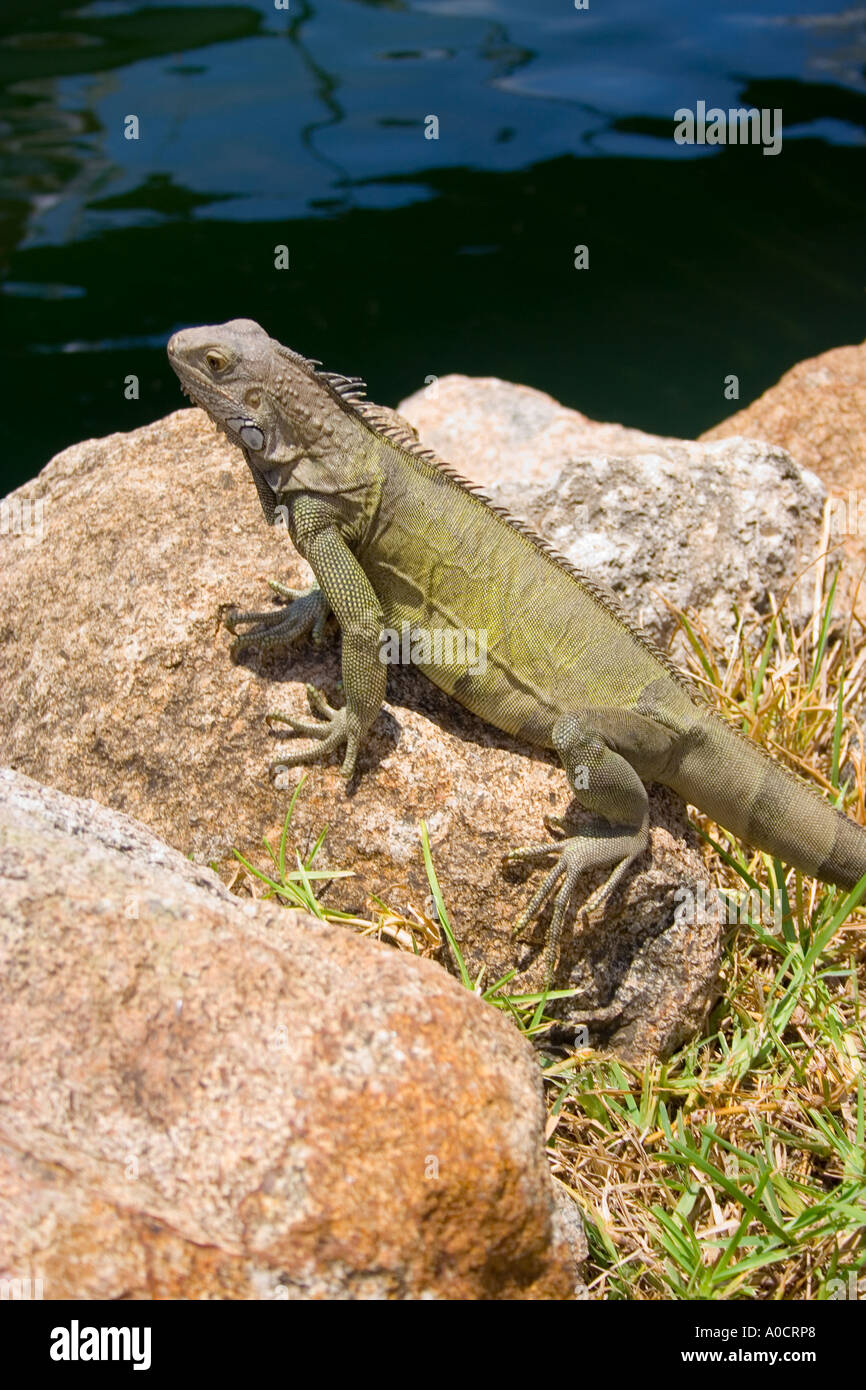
x,y
408,256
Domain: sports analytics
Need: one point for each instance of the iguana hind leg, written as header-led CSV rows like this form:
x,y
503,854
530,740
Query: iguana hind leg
x,y
597,749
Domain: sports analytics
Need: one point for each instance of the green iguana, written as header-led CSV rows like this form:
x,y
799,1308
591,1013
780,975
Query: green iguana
x,y
394,536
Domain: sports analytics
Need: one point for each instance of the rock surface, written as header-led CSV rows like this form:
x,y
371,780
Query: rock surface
x,y
119,686
817,411
206,1099
703,526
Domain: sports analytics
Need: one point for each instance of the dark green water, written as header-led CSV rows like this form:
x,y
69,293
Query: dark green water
x,y
407,256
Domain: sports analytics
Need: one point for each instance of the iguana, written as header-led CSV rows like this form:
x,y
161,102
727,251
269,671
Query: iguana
x,y
394,535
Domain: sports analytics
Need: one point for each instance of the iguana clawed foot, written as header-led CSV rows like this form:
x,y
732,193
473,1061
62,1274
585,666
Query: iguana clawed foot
x,y
331,733
574,857
306,612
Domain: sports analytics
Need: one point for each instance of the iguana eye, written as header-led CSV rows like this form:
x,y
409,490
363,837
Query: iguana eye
x,y
215,360
253,399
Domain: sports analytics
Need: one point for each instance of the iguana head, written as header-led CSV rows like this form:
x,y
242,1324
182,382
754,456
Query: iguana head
x,y
244,380
298,427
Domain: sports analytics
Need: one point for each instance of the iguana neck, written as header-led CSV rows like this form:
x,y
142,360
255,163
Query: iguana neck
x,y
329,453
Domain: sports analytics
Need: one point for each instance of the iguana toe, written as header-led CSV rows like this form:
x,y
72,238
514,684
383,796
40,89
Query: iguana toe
x,y
514,856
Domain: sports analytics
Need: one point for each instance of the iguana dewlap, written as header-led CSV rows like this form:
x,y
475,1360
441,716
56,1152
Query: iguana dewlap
x,y
394,536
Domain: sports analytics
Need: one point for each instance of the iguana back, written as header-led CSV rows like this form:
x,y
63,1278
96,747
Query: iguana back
x,y
440,556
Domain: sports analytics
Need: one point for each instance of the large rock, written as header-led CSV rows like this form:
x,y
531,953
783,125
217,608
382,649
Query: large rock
x,y
661,521
119,686
206,1099
817,411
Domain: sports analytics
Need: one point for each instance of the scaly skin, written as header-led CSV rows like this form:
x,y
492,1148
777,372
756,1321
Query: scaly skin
x,y
395,536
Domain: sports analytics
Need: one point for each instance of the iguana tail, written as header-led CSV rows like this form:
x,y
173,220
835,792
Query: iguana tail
x,y
740,786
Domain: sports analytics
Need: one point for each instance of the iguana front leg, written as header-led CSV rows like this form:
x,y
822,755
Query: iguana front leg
x,y
306,612
353,601
598,749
